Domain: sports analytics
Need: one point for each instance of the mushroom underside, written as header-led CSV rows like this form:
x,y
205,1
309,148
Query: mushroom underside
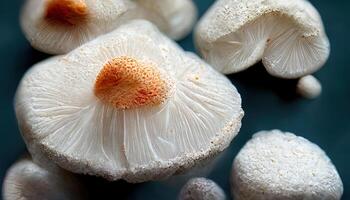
x,y
275,39
85,127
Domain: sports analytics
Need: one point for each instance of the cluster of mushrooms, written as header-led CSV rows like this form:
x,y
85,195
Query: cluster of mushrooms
x,y
121,100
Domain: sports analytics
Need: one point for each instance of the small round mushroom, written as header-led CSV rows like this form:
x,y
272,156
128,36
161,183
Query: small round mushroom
x,y
29,181
129,105
288,36
59,26
201,189
277,165
309,87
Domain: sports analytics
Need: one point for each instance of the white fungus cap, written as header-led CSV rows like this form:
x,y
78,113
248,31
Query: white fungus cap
x,y
201,189
277,165
59,26
26,180
129,105
309,87
174,17
288,36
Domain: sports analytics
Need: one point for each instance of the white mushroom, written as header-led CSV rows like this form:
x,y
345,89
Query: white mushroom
x,y
59,26
174,17
28,181
277,165
201,189
309,87
288,36
128,105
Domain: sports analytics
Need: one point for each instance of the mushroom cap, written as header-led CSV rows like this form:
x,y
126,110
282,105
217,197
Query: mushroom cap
x,y
57,109
277,165
201,189
309,87
173,17
288,36
47,35
28,181
59,26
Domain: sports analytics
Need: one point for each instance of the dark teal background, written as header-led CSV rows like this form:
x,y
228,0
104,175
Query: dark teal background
x,y
268,102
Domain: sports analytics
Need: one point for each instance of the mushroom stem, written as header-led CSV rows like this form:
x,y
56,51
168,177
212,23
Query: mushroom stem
x,y
126,83
67,12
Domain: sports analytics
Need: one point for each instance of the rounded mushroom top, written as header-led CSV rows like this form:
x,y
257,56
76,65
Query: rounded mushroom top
x,y
26,180
174,17
235,34
59,26
130,104
277,165
309,87
201,189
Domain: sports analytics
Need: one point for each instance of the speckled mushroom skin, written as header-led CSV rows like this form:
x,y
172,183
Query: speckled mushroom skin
x,y
277,165
229,16
26,180
201,189
117,150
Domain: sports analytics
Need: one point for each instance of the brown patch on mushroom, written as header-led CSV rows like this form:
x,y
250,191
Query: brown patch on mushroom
x,y
67,12
126,83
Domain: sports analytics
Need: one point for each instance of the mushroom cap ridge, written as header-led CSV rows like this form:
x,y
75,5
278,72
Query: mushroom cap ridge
x,y
227,17
75,85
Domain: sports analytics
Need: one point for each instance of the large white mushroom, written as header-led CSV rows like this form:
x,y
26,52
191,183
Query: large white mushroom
x,y
27,180
288,36
278,165
59,26
129,105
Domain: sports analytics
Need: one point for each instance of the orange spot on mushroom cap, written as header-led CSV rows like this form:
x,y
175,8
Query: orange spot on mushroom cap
x,y
67,12
126,83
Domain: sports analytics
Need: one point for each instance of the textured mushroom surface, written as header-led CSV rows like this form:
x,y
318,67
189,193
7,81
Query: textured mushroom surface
x,y
26,180
129,105
201,189
309,87
277,165
59,26
288,36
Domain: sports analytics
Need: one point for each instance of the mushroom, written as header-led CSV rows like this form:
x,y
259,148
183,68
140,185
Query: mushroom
x,y
201,189
309,87
59,26
129,105
174,17
288,36
278,165
29,181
